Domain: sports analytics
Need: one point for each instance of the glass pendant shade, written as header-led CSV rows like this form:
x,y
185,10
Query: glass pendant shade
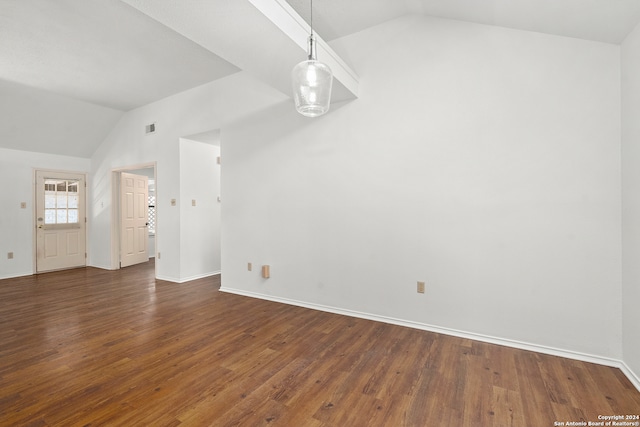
x,y
312,81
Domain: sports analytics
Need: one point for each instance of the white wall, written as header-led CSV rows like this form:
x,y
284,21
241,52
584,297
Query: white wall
x,y
197,110
482,160
17,225
38,120
200,230
631,200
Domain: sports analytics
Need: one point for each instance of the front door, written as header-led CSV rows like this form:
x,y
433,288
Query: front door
x,y
61,221
134,219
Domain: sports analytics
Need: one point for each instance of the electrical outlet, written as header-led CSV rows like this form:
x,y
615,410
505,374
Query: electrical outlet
x,y
9,255
158,255
193,202
421,287
249,267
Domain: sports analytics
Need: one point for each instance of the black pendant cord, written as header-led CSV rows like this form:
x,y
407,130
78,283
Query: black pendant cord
x,y
311,19
312,45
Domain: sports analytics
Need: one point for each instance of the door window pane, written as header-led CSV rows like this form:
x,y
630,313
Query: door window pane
x,y
61,201
50,216
49,201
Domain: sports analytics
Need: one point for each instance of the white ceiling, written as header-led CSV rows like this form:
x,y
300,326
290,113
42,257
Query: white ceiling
x,y
70,68
607,21
104,52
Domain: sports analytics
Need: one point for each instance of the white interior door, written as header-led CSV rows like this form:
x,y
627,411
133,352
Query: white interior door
x,y
60,221
134,219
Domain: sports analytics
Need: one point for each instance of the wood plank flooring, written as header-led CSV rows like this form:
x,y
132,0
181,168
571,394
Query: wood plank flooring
x,y
89,347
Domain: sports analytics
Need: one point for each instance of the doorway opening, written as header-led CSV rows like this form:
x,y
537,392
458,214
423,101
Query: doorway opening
x,y
200,205
134,217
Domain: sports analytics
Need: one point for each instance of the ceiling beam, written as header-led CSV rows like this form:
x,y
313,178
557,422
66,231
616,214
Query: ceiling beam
x,y
265,38
297,29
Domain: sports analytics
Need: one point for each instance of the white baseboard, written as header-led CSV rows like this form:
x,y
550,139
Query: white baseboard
x,y
569,354
633,377
199,276
187,279
101,267
15,275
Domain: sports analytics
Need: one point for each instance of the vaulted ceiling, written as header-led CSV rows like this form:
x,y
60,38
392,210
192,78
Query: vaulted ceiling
x,y
70,68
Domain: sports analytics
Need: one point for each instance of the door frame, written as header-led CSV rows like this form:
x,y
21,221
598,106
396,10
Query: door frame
x,y
34,211
115,209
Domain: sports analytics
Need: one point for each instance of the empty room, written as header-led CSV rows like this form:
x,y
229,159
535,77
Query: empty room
x,y
320,213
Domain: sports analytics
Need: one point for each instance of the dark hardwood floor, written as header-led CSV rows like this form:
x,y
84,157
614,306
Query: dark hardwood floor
x,y
89,347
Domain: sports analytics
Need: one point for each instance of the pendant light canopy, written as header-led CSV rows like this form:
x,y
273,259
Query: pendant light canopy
x,y
311,81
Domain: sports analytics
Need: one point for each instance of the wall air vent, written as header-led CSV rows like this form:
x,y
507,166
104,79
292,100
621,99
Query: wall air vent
x,y
150,128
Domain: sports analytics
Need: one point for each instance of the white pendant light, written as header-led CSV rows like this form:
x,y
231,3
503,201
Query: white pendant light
x,y
311,81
